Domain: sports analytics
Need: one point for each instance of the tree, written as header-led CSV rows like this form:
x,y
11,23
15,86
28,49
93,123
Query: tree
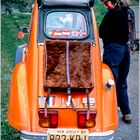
x,y
21,5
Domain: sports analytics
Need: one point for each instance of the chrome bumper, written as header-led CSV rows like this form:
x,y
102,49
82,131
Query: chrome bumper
x,y
26,135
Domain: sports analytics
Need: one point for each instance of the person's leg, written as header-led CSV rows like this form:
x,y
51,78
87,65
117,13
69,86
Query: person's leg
x,y
113,55
122,84
117,57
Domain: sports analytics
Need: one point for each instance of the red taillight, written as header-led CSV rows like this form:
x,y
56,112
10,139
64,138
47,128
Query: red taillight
x,y
82,119
50,120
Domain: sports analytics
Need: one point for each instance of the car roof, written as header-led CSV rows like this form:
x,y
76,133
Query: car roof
x,y
73,3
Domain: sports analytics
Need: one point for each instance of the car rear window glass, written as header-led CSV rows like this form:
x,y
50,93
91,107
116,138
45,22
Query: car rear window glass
x,y
69,25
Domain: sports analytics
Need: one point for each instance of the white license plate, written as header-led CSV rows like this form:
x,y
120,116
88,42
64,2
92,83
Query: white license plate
x,y
67,134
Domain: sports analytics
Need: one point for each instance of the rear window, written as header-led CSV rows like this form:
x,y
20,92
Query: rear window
x,y
66,25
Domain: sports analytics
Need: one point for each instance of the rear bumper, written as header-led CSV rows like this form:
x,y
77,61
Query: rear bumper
x,y
26,135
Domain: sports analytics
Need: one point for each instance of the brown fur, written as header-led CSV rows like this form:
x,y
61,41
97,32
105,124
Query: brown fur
x,y
79,60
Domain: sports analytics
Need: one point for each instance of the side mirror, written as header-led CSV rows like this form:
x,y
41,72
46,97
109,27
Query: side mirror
x,y
22,32
25,30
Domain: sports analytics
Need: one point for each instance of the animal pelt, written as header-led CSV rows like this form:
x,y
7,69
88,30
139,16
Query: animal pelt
x,y
79,64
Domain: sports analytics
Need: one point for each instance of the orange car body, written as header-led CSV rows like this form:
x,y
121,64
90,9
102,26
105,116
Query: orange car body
x,y
27,86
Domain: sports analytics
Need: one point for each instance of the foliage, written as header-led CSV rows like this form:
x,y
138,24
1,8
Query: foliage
x,y
21,5
99,11
134,2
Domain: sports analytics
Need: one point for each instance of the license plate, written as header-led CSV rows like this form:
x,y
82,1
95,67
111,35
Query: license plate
x,y
67,134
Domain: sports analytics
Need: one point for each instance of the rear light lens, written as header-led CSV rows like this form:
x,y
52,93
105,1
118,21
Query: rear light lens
x,y
82,119
50,120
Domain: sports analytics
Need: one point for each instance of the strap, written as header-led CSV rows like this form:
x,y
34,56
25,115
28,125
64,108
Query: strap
x,y
67,63
88,104
69,99
46,101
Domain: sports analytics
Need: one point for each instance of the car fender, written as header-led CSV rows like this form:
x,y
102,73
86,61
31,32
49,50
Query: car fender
x,y
110,114
18,109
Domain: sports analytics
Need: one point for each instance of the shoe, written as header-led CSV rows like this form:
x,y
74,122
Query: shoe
x,y
119,110
127,118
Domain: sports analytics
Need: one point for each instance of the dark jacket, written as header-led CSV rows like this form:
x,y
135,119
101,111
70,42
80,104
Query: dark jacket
x,y
114,26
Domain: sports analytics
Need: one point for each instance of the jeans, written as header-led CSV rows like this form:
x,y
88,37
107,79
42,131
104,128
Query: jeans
x,y
117,57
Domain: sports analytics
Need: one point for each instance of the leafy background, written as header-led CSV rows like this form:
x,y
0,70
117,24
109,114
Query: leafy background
x,y
9,43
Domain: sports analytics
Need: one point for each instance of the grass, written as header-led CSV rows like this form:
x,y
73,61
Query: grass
x,y
9,43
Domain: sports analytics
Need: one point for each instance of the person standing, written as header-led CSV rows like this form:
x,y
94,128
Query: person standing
x,y
114,32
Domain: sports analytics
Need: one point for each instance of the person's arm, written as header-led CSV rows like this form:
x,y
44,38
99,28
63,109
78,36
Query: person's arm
x,y
132,29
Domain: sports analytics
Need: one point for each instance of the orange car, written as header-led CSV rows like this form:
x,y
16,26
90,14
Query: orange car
x,y
60,89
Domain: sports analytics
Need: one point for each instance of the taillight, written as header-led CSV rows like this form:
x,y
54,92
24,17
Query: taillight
x,y
49,120
82,119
